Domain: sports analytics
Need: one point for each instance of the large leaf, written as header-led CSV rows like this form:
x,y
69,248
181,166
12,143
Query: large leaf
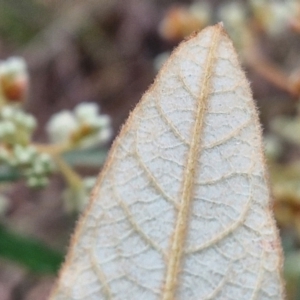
x,y
181,210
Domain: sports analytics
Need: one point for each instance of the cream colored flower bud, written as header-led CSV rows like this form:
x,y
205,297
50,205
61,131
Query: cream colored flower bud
x,y
61,126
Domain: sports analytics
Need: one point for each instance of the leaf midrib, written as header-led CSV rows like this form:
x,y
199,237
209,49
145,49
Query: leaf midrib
x,y
180,232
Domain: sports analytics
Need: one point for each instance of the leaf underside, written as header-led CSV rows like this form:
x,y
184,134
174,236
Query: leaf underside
x,y
181,210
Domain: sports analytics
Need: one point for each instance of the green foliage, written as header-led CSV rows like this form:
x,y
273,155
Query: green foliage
x,y
32,254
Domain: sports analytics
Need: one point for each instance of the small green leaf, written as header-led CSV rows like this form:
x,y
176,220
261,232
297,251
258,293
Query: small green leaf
x,y
32,254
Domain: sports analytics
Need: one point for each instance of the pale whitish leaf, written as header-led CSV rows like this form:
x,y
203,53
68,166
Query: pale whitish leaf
x,y
181,210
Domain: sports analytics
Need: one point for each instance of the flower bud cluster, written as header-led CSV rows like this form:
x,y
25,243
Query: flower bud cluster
x,y
84,127
35,167
181,21
16,126
274,17
14,80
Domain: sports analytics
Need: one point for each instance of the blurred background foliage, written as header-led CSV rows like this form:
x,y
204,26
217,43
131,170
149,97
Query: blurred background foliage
x,y
108,52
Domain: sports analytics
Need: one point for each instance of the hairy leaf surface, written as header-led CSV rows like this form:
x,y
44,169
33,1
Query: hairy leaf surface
x,y
181,210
